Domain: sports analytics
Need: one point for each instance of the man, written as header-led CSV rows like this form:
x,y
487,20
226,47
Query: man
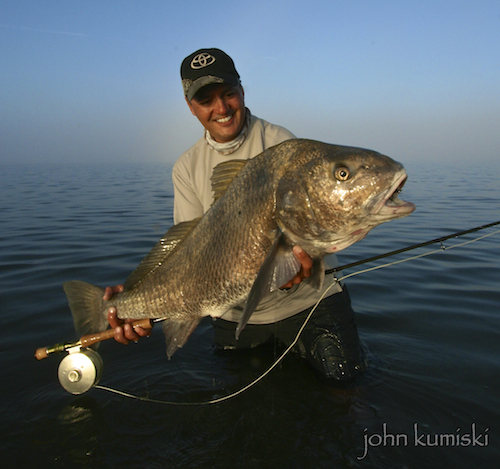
x,y
330,341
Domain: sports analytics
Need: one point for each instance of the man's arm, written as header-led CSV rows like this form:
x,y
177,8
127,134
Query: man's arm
x,y
187,206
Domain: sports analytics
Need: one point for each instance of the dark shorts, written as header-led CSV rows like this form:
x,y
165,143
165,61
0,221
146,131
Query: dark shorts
x,y
329,342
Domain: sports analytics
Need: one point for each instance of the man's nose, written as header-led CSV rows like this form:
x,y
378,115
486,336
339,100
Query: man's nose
x,y
221,106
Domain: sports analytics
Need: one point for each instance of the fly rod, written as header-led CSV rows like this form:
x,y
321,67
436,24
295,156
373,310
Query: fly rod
x,y
409,248
82,369
90,339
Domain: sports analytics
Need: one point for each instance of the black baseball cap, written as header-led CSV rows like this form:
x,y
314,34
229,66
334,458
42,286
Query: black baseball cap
x,y
205,67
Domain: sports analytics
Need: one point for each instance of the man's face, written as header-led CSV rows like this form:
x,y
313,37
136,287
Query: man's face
x,y
220,109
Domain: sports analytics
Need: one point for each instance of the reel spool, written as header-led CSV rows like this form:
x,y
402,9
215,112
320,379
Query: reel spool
x,y
80,370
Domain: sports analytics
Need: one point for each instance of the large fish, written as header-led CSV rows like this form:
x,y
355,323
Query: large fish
x,y
322,197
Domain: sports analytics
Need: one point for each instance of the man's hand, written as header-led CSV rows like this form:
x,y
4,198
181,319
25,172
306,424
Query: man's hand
x,y
110,291
124,332
305,269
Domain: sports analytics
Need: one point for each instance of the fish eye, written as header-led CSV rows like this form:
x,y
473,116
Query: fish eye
x,y
341,173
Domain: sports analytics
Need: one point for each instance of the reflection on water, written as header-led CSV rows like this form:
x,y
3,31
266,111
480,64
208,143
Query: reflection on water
x,y
430,327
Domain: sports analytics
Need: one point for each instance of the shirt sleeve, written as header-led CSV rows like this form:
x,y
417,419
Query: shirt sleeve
x,y
275,134
187,206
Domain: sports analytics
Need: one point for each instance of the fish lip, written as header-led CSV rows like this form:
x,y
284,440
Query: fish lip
x,y
397,206
383,212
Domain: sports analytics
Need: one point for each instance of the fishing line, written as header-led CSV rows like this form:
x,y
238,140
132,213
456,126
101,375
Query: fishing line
x,y
236,393
442,248
414,246
336,281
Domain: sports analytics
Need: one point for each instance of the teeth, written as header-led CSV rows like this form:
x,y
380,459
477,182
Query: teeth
x,y
394,196
223,119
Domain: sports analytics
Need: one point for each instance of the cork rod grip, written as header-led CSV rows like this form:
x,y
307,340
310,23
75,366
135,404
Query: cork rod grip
x,y
88,340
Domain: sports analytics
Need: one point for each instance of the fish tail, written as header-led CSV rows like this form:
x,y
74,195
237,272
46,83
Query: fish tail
x,y
87,306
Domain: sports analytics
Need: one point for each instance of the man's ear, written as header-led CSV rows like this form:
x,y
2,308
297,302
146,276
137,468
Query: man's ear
x,y
189,104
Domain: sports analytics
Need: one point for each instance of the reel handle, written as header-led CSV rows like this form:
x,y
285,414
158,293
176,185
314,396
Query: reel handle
x,y
41,353
89,339
44,352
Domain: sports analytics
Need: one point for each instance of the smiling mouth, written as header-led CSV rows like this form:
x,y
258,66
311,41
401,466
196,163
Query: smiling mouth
x,y
223,120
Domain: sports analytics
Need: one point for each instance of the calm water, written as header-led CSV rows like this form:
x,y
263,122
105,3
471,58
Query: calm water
x,y
431,326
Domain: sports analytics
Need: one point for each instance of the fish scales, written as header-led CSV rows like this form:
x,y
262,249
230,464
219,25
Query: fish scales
x,y
222,254
323,197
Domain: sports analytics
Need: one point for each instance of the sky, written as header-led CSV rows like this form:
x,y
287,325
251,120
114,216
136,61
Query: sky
x,y
97,81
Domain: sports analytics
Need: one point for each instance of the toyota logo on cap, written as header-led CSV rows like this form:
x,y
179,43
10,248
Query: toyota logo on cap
x,y
205,67
202,60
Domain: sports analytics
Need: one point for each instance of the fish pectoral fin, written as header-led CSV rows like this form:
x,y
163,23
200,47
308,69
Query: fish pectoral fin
x,y
279,267
177,333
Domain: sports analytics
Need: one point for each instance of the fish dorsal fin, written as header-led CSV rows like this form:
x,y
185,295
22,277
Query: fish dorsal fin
x,y
223,175
160,252
279,267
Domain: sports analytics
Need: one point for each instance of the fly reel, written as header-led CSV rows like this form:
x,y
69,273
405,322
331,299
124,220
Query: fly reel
x,y
80,370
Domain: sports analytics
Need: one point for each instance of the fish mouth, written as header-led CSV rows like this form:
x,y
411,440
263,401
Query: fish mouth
x,y
391,206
